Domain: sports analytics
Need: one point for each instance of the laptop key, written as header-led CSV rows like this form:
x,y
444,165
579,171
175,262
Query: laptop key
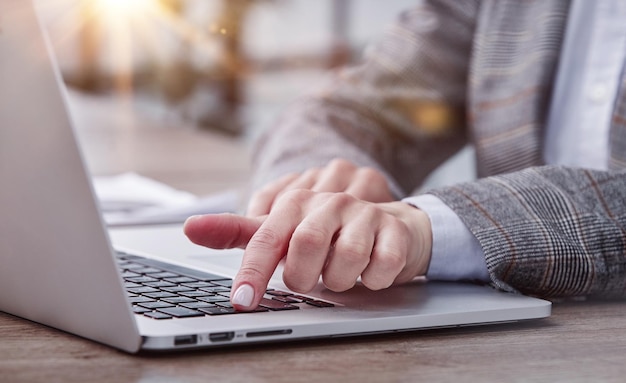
x,y
213,299
179,280
286,299
141,290
130,274
160,284
218,311
276,305
141,279
155,305
194,294
157,315
159,295
215,289
198,305
140,310
181,312
140,299
317,303
278,293
176,289
302,298
178,300
196,285
132,266
224,282
147,270
165,274
197,274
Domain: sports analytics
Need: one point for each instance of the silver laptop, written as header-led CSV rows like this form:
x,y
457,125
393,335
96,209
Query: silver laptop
x,y
58,266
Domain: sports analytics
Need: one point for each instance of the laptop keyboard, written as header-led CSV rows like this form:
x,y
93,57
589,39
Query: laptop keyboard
x,y
161,290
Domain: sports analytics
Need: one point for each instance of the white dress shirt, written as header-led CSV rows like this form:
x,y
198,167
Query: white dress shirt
x,y
577,131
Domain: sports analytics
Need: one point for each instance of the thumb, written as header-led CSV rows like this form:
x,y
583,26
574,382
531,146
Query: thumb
x,y
221,231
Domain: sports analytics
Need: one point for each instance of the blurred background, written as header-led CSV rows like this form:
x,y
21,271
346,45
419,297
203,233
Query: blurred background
x,y
217,64
176,90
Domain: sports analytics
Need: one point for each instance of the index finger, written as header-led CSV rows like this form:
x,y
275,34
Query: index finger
x,y
265,249
221,231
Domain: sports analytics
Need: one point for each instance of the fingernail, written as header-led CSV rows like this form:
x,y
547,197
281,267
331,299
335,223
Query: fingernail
x,y
243,296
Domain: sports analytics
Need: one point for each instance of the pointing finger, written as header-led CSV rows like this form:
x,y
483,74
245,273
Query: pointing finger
x,y
221,231
266,248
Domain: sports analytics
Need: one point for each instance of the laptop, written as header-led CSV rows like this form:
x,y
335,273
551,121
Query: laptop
x,y
154,290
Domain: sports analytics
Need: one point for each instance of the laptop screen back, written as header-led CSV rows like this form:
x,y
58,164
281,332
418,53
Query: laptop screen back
x,y
57,267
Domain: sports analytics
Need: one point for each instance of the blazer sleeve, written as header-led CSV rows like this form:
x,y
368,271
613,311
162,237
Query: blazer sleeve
x,y
400,111
549,231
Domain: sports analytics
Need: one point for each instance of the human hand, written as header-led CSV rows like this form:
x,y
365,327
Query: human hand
x,y
334,236
339,175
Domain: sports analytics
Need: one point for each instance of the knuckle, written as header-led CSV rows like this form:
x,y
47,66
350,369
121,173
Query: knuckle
x,y
311,173
337,285
263,195
376,183
340,200
296,196
393,260
340,163
396,225
309,237
285,178
376,283
267,188
252,272
298,284
266,238
353,252
370,174
370,212
390,260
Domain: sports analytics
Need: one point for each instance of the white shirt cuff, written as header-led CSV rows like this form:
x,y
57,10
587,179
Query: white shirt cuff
x,y
456,254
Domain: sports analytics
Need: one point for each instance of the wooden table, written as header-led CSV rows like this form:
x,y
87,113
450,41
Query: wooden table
x,y
581,342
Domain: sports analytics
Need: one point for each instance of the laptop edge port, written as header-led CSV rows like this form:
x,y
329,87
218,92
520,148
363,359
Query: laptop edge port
x,y
183,340
222,336
268,333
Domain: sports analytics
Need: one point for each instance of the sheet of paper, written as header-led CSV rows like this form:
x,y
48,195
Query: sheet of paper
x,y
132,199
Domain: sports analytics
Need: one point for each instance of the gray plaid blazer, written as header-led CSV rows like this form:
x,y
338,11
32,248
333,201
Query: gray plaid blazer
x,y
451,72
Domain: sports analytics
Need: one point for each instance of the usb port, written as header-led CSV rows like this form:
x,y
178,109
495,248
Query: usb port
x,y
221,336
182,340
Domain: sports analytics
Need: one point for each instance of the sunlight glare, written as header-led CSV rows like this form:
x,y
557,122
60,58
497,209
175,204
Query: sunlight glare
x,y
124,8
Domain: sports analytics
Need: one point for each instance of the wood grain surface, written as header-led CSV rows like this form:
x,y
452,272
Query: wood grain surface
x,y
580,342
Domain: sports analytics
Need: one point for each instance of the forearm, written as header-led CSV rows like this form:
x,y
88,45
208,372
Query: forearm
x,y
548,231
384,113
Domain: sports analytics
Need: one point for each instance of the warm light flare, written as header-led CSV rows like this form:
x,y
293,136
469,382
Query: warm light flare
x,y
123,8
119,36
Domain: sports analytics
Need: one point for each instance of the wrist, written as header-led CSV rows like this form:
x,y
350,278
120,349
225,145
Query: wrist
x,y
422,233
419,230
